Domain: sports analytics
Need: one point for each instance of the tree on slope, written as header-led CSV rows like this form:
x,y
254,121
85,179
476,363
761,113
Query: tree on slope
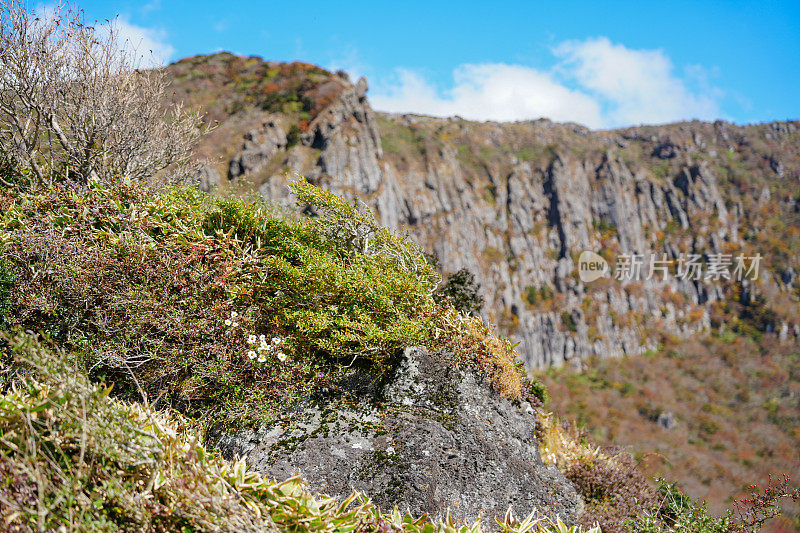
x,y
76,102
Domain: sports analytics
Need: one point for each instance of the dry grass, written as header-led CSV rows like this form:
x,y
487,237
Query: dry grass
x,y
562,446
470,338
735,402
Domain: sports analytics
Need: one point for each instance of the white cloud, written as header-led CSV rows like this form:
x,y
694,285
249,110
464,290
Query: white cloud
x,y
638,86
491,92
153,5
149,44
348,60
596,83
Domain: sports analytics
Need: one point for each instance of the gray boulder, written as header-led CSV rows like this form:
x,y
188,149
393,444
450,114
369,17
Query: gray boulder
x,y
428,438
667,421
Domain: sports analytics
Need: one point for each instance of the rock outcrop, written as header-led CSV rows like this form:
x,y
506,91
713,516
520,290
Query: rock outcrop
x,y
259,147
429,438
206,178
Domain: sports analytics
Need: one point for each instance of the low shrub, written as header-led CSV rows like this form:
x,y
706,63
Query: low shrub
x,y
614,489
609,480
677,513
179,296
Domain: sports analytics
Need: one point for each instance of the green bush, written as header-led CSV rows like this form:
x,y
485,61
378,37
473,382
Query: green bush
x,y
531,295
567,320
678,514
293,136
462,292
535,296
539,391
339,284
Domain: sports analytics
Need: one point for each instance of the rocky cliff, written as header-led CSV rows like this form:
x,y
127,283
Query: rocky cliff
x,y
516,203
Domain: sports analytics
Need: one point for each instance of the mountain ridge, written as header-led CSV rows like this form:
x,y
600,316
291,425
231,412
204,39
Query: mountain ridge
x,y
515,202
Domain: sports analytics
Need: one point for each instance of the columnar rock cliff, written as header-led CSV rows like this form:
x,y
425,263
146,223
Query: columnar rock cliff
x,y
516,203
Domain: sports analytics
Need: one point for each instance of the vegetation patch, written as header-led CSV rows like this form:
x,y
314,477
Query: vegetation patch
x,y
7,281
700,384
223,308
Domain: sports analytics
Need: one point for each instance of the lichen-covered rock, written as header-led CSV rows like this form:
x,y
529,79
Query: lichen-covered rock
x,y
431,437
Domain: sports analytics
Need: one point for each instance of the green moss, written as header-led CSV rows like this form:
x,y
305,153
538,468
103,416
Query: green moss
x,y
566,319
382,462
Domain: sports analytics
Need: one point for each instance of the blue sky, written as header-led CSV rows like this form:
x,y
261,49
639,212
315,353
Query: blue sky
x,y
603,64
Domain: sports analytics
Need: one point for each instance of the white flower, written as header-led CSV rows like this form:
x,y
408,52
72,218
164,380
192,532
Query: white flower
x,y
251,354
235,324
276,340
252,339
264,348
228,322
281,356
262,358
234,314
262,338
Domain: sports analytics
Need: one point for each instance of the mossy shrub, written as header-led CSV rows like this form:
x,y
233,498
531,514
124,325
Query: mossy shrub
x,y
225,308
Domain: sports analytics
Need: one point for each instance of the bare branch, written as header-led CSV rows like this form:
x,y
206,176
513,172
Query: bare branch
x,y
65,80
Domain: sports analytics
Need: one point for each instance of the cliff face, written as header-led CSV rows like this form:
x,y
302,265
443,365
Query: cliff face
x,y
516,203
